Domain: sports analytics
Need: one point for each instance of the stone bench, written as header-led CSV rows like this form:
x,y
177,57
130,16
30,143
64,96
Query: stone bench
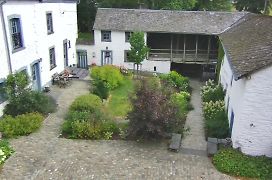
x,y
175,142
213,143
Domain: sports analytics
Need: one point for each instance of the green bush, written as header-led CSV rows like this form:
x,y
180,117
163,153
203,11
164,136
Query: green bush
x,y
88,102
20,125
235,163
176,80
86,120
5,151
182,100
101,89
108,74
216,120
212,92
30,101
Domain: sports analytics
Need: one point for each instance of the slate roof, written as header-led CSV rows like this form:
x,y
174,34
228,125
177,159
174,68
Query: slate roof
x,y
191,22
248,44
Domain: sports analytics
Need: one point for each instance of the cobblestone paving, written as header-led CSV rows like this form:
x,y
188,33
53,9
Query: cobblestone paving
x,y
43,155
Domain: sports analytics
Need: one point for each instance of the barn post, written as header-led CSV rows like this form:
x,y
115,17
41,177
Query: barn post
x,y
171,59
196,48
209,47
184,48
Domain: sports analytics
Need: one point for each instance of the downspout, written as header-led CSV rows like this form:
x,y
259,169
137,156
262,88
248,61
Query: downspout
x,y
5,36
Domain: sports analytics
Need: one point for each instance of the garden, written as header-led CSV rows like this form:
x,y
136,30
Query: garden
x,y
24,113
121,106
228,160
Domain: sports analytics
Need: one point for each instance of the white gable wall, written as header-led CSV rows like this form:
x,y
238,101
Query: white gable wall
x,y
251,102
118,46
254,130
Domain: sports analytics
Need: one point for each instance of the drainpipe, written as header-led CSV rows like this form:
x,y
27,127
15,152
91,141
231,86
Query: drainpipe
x,y
5,36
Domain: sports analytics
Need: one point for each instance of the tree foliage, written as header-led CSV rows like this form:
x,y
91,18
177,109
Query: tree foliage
x,y
179,4
215,5
255,6
152,111
86,11
139,49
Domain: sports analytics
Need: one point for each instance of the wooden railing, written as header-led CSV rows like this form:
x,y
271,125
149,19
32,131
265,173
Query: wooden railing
x,y
181,56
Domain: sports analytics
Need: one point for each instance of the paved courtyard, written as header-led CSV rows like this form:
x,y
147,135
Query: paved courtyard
x,y
43,155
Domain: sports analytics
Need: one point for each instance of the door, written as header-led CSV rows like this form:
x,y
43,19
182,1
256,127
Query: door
x,y
36,78
106,57
82,61
65,53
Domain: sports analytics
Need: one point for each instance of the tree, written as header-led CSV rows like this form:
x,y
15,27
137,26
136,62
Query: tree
x,y
255,6
180,5
214,5
86,15
128,4
139,50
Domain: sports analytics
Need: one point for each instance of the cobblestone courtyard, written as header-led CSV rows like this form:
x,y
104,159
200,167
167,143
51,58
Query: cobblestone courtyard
x,y
43,155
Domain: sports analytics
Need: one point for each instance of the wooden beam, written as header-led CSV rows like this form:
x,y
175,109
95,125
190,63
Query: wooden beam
x,y
196,47
184,47
209,48
171,59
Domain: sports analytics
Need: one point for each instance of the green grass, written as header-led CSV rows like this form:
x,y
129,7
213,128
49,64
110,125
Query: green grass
x,y
85,36
233,162
119,104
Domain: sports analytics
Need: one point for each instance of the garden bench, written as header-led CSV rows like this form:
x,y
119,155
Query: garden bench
x,y
175,142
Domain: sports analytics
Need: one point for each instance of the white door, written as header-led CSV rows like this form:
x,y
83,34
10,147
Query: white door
x,y
106,57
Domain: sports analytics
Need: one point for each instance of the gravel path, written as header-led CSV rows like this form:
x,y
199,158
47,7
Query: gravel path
x,y
43,155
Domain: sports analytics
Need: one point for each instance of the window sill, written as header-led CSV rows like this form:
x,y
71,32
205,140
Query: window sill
x,y
49,33
106,41
18,49
52,67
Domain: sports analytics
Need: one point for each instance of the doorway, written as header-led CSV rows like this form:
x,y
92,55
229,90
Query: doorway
x,y
82,61
106,57
36,78
65,53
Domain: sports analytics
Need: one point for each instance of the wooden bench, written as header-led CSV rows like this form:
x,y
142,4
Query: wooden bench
x,y
175,142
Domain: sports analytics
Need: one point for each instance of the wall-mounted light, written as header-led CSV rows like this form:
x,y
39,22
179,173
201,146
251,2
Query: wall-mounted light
x,y
69,44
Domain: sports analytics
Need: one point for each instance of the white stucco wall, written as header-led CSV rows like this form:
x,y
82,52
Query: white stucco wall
x,y
253,133
251,101
3,56
36,40
118,45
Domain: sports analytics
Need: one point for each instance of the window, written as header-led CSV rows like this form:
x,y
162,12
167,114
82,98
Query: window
x,y
128,35
52,57
106,36
16,34
126,55
49,20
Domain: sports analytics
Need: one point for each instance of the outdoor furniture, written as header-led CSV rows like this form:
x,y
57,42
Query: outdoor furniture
x,y
175,142
213,145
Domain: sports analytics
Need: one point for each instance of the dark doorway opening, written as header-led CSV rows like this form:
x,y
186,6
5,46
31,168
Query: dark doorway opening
x,y
189,70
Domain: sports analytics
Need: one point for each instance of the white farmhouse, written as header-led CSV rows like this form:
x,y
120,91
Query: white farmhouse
x,y
38,37
185,41
246,75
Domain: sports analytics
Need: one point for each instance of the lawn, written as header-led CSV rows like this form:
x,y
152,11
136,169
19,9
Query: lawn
x,y
85,36
119,104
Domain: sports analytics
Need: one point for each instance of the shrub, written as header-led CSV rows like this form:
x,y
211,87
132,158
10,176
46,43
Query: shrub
x,y
5,151
108,74
212,92
235,163
86,120
88,102
101,89
182,100
20,125
216,120
176,80
30,101
152,111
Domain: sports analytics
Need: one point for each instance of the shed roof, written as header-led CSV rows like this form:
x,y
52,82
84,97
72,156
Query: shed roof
x,y
192,22
249,44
